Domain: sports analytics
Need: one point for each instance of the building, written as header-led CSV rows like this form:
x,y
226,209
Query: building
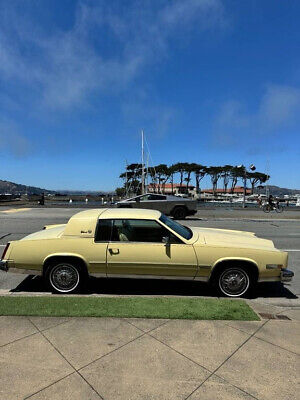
x,y
174,189
238,190
190,191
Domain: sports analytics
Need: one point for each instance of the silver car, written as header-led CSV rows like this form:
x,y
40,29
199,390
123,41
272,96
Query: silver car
x,y
177,207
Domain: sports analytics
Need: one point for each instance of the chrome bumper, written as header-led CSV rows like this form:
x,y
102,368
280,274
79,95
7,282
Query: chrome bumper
x,y
286,275
4,265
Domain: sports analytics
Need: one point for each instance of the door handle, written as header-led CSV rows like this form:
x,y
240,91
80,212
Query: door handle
x,y
114,251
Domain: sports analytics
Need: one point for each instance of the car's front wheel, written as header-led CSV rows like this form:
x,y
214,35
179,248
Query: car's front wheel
x,y
64,277
234,282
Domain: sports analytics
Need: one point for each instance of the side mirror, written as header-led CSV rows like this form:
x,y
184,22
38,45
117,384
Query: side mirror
x,y
137,199
166,240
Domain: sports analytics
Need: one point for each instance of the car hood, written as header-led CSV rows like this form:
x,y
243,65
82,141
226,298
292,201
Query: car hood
x,y
230,238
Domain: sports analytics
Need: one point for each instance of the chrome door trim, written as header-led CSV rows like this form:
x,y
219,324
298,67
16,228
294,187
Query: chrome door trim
x,y
150,263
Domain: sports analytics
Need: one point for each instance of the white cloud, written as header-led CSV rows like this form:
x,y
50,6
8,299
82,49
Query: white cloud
x,y
280,106
64,66
205,13
277,111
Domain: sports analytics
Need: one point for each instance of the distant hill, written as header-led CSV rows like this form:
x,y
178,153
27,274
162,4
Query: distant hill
x,y
16,188
279,191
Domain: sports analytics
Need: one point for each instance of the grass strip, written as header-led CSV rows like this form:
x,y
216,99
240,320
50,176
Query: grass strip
x,y
130,307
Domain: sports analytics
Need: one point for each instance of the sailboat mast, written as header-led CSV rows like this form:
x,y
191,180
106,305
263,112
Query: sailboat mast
x,y
126,180
147,174
143,166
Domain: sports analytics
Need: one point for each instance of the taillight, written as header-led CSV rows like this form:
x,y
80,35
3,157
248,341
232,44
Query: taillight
x,y
5,250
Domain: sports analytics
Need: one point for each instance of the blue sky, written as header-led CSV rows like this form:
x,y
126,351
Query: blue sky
x,y
210,81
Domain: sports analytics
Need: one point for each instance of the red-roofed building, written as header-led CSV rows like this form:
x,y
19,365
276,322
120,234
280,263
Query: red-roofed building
x,y
167,188
236,190
177,190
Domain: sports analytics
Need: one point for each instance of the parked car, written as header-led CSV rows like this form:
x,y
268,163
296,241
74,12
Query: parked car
x,y
175,206
144,244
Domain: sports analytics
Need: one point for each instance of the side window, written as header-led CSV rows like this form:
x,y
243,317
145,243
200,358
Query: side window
x,y
134,230
144,198
104,230
156,197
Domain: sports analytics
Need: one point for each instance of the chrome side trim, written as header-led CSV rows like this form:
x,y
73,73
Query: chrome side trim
x,y
166,277
151,263
97,262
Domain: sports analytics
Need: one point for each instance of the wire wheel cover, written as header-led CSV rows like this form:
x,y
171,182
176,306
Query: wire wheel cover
x,y
234,282
64,277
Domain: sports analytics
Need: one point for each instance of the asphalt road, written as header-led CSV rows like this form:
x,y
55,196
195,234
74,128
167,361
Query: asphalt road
x,y
15,224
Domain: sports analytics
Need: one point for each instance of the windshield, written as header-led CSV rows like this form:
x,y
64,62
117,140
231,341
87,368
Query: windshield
x,y
176,227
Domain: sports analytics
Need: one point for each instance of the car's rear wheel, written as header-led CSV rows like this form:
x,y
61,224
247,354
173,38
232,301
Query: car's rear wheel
x,y
179,213
64,277
234,281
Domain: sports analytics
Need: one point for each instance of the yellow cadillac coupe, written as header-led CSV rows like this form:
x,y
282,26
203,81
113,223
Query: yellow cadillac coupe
x,y
141,243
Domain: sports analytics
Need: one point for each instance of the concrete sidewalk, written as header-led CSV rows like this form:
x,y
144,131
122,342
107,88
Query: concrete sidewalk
x,y
143,359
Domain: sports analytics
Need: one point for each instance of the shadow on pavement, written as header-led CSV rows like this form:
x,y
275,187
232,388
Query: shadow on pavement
x,y
150,287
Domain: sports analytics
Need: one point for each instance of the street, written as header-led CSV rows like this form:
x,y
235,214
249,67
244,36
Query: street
x,y
17,223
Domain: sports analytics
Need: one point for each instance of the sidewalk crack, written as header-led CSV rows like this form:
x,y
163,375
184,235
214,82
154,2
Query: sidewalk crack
x,y
150,330
234,352
178,352
75,370
107,354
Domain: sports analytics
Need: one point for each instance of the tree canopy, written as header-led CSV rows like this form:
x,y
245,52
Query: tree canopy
x,y
160,174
